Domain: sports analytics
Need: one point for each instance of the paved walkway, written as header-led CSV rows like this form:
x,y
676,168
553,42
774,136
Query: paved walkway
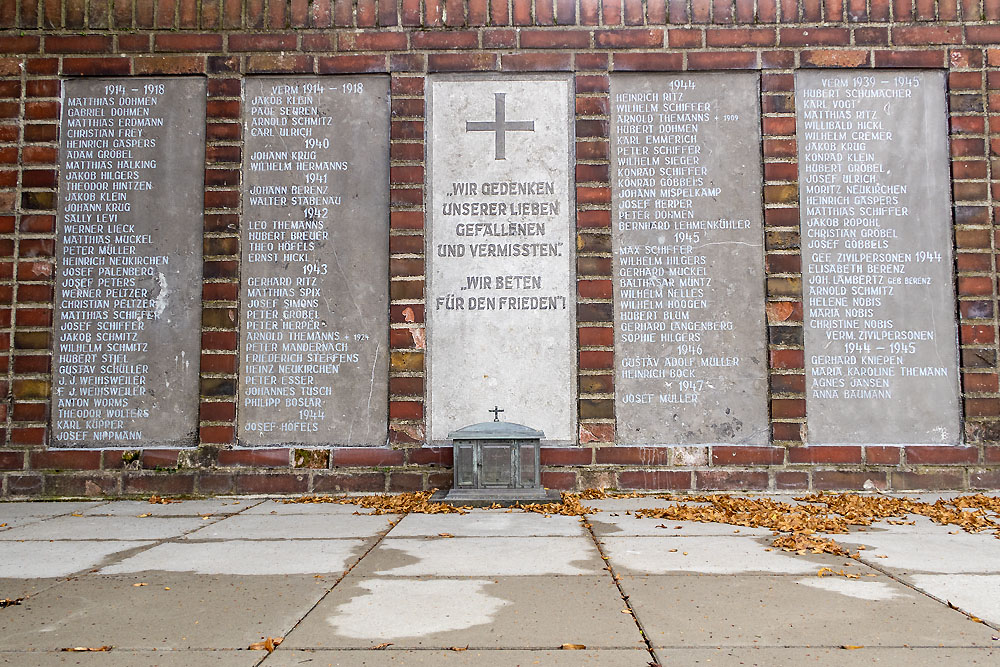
x,y
196,583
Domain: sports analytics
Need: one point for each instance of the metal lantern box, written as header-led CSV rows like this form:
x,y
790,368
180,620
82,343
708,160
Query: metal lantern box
x,y
497,462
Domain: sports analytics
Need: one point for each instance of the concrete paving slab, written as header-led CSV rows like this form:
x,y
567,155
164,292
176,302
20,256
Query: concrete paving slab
x,y
273,506
294,526
482,557
178,611
499,612
472,657
489,523
18,588
927,548
104,528
245,557
183,508
713,555
44,509
794,657
42,559
978,594
119,658
717,610
619,524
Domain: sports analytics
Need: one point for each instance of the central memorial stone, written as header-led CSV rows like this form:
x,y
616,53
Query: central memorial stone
x,y
687,243
315,235
500,254
880,336
129,263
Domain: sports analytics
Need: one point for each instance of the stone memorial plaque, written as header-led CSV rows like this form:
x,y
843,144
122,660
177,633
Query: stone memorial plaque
x,y
315,246
688,260
500,253
129,263
880,333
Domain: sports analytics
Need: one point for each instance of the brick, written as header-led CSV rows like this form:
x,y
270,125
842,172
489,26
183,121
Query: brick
x,y
982,34
78,43
645,456
218,435
931,58
80,485
628,38
461,62
561,480
284,63
262,42
645,62
95,66
465,39
187,42
372,41
11,460
566,456
825,454
257,457
271,483
924,35
65,460
685,38
926,480
171,484
730,480
555,39
740,37
430,456
786,480
19,44
499,39
332,483
825,480
985,479
747,455
536,62
934,455
722,60
367,456
654,479
354,64
407,481
814,36
835,58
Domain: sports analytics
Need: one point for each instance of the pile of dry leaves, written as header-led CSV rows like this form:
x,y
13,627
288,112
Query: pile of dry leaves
x,y
797,526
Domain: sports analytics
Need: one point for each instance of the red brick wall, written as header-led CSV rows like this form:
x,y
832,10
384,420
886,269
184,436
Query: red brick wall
x,y
43,42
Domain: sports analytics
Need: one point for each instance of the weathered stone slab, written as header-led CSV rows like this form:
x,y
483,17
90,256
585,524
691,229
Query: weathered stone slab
x,y
500,253
313,299
129,263
687,243
879,302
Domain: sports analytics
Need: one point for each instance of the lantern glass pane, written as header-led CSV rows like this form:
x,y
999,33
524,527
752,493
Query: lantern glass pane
x,y
463,465
496,465
527,465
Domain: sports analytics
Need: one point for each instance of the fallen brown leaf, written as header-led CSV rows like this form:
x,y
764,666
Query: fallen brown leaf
x,y
267,645
83,649
445,535
379,647
10,602
573,647
459,648
851,647
143,583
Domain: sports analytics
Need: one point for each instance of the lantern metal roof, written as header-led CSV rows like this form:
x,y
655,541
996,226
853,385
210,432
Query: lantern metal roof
x,y
496,431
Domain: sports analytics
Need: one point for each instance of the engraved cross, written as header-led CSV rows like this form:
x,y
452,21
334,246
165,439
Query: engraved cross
x,y
500,125
496,412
